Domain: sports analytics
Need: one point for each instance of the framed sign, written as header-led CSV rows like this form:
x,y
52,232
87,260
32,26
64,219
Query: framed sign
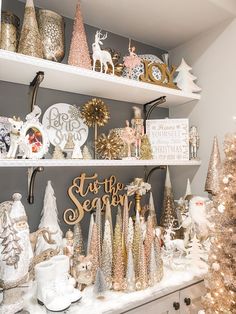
x,y
169,138
60,120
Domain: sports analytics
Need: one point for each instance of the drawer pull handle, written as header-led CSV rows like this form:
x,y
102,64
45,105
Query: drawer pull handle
x,y
176,306
187,301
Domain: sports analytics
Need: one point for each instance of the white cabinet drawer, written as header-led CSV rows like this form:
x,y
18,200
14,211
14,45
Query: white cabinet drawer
x,y
190,298
164,305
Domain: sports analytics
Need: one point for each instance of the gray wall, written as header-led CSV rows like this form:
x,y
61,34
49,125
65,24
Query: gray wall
x,y
212,56
14,101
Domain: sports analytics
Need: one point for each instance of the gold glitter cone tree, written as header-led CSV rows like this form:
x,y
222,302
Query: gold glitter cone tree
x,y
79,52
106,263
118,259
125,221
148,240
78,239
142,280
136,244
220,279
159,261
146,148
30,40
212,180
94,250
168,209
108,217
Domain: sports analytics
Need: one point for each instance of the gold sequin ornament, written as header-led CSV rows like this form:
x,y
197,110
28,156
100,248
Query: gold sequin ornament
x,y
109,147
95,112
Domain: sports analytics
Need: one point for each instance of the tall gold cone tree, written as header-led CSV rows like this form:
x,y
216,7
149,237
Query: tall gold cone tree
x,y
136,244
125,221
142,280
108,217
94,250
79,52
220,279
152,211
212,184
107,255
30,40
148,240
118,259
168,209
98,221
78,239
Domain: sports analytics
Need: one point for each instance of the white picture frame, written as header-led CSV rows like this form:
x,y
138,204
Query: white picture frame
x,y
169,139
36,136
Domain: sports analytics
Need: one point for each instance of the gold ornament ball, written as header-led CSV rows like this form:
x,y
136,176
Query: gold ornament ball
x,y
95,112
110,146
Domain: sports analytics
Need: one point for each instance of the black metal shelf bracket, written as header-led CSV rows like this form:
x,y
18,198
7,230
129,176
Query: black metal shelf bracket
x,y
31,180
148,174
154,104
34,86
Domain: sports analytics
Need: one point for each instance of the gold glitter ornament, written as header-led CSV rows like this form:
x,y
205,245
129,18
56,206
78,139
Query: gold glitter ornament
x,y
212,180
30,40
95,112
109,147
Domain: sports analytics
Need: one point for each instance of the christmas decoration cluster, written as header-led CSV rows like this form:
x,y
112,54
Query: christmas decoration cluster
x,y
128,259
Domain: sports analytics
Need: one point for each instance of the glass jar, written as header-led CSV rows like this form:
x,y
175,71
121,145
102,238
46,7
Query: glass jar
x,y
9,31
52,30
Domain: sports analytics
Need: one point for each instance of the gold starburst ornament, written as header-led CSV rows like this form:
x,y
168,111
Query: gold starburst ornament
x,y
110,146
95,112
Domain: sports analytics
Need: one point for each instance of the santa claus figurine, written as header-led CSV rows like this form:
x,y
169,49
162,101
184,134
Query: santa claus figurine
x,y
15,253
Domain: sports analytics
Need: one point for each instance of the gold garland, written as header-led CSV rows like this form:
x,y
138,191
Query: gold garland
x,y
110,146
95,112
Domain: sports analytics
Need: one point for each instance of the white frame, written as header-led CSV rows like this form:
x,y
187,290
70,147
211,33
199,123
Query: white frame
x,y
45,141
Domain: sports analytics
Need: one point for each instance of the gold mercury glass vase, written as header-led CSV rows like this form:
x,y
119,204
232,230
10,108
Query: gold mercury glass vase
x,y
9,36
30,39
52,31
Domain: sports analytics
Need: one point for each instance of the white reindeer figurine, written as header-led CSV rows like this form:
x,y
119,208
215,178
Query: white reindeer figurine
x,y
16,126
102,55
173,245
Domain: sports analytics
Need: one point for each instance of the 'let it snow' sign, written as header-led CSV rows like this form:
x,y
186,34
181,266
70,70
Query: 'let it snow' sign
x,y
169,138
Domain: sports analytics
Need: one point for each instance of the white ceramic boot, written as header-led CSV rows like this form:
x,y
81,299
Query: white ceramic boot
x,y
48,293
63,280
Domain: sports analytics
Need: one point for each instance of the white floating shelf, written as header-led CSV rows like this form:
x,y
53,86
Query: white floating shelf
x,y
21,69
92,163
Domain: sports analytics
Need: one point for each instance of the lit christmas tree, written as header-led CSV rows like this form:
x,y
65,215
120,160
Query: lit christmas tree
x,y
50,221
220,279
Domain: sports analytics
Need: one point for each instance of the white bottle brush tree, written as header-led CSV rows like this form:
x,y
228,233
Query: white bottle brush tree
x,y
185,80
50,221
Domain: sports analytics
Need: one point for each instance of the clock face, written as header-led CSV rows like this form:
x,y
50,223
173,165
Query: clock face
x,y
60,120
